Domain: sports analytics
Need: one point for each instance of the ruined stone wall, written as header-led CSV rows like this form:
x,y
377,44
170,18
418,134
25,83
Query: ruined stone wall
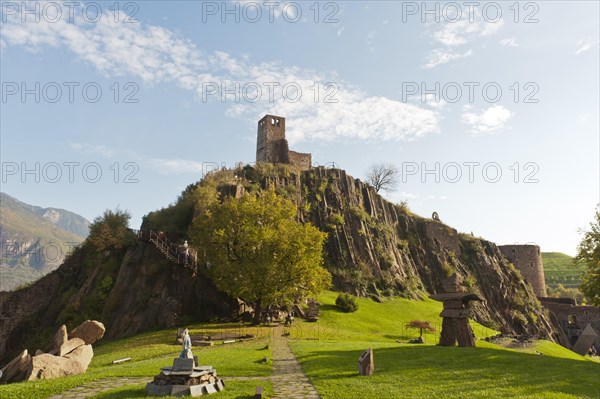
x,y
528,259
301,160
573,319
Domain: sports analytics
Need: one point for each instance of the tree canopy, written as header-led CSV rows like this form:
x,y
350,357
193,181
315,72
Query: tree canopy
x,y
257,250
588,254
111,230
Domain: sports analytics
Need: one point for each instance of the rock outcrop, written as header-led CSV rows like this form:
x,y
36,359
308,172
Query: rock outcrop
x,y
72,356
375,248
131,291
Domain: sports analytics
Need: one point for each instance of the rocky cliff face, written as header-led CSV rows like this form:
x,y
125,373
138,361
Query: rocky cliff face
x,y
130,291
374,248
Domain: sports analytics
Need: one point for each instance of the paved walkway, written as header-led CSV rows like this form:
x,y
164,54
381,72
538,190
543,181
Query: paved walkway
x,y
289,381
97,387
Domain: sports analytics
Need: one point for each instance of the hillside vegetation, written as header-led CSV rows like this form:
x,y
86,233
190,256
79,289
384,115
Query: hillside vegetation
x,y
328,351
559,268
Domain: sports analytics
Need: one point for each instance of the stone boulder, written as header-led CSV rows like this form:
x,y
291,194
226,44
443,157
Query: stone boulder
x,y
71,354
89,331
60,338
17,369
82,355
49,366
70,346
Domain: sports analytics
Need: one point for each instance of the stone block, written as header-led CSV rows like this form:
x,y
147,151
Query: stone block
x,y
366,364
585,341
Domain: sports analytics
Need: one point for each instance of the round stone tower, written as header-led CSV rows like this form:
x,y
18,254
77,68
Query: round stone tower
x,y
528,259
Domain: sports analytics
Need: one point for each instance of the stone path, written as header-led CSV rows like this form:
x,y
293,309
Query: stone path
x,y
97,387
289,381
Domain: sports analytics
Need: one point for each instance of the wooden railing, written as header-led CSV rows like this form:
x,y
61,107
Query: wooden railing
x,y
177,254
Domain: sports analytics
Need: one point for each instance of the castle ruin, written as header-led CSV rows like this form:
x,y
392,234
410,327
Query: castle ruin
x,y
272,146
528,260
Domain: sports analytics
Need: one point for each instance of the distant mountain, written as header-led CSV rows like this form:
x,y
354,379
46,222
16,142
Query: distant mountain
x,y
559,268
34,240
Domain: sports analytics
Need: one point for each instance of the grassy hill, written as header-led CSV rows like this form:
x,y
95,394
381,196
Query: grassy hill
x,y
328,351
559,269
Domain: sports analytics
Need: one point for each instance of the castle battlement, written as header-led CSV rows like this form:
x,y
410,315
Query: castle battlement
x,y
272,146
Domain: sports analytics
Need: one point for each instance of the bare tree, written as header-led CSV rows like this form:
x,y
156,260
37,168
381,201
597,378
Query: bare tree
x,y
383,176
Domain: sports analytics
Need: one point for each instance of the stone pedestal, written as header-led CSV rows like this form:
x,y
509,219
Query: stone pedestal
x,y
185,379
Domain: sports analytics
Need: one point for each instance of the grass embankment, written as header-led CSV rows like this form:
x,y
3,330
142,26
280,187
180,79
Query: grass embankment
x,y
428,371
153,350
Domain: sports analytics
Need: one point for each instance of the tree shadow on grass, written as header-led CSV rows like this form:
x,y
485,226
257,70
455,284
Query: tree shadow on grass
x,y
466,372
331,308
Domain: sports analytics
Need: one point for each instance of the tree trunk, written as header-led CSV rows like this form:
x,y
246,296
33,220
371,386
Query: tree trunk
x,y
257,314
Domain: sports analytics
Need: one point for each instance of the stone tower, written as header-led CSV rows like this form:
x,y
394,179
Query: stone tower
x,y
528,259
272,146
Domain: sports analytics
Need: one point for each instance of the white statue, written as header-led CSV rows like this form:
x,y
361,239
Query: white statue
x,y
187,345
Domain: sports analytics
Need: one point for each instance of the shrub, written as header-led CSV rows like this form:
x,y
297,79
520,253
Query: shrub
x,y
347,303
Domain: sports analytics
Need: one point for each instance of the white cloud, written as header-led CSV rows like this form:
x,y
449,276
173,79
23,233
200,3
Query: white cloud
x,y
489,121
371,36
164,166
452,35
92,149
156,55
442,56
430,100
585,45
509,41
463,32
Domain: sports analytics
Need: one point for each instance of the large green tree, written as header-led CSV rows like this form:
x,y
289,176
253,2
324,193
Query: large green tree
x,y
257,249
588,254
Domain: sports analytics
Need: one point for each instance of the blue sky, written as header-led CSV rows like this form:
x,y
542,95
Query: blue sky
x,y
490,111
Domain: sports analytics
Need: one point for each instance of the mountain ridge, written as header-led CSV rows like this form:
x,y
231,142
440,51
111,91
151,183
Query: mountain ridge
x,y
35,240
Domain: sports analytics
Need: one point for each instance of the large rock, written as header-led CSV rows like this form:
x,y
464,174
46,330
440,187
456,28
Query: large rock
x,y
17,369
50,366
60,338
82,355
89,331
70,346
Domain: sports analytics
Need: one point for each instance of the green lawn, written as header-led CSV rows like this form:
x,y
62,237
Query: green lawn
x,y
328,351
427,371
150,351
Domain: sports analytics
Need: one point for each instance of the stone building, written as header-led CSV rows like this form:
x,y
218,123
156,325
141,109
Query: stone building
x,y
272,146
528,260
